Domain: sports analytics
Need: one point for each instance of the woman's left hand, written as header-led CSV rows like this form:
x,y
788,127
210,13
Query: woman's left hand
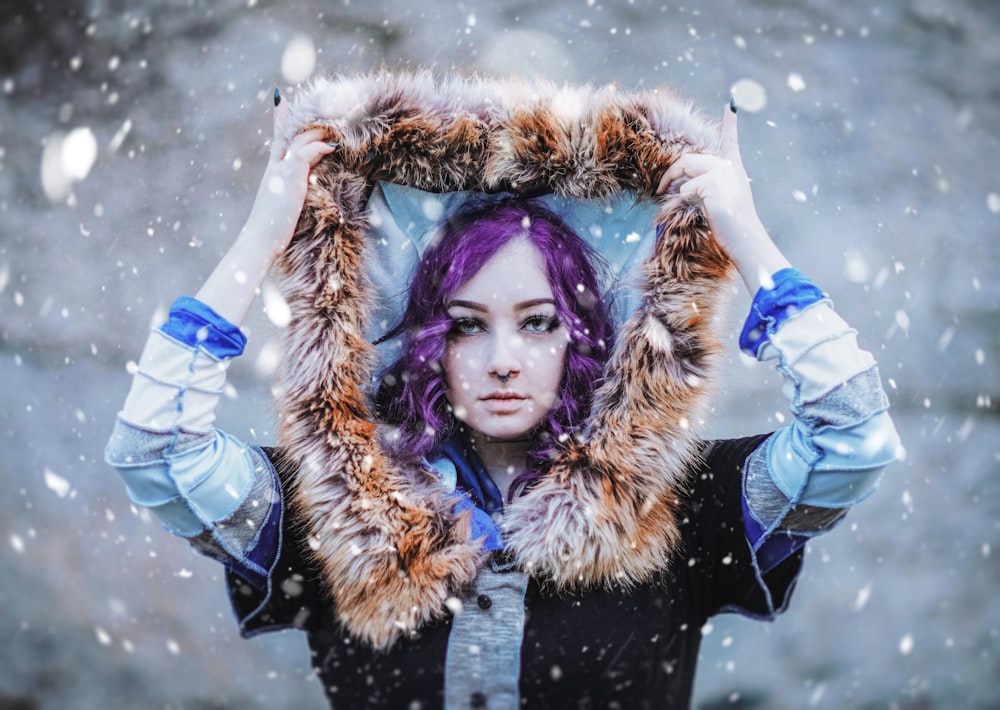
x,y
722,185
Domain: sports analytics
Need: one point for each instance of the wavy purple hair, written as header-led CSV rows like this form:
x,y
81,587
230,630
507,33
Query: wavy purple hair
x,y
411,395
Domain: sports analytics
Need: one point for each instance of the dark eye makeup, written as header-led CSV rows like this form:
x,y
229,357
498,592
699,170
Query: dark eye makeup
x,y
466,326
540,323
534,324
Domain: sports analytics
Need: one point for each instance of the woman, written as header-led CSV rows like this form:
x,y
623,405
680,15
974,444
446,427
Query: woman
x,y
547,530
515,353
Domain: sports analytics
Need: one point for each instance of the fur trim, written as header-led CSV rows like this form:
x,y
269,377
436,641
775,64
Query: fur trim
x,y
390,548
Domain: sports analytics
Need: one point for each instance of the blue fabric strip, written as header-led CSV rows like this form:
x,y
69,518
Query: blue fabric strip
x,y
774,549
791,293
255,564
832,468
213,477
477,492
483,525
196,324
472,477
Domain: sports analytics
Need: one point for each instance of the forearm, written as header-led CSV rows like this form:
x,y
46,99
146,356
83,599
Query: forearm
x,y
756,256
234,283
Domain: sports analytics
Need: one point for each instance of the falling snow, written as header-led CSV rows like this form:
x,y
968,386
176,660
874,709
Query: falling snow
x,y
298,60
129,157
67,159
56,483
906,645
17,543
749,95
864,594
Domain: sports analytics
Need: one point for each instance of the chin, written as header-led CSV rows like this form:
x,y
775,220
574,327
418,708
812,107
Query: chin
x,y
504,431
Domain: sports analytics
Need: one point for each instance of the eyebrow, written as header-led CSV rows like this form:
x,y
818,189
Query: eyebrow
x,y
473,306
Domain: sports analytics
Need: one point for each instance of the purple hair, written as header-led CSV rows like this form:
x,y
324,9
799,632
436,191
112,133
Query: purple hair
x,y
411,395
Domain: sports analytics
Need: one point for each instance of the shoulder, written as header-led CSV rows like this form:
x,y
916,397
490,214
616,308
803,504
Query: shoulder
x,y
718,464
283,464
712,512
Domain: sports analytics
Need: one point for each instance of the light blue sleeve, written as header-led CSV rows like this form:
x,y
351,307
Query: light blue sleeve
x,y
803,477
841,438
202,483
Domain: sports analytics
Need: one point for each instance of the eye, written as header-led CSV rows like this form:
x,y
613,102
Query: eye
x,y
540,324
466,326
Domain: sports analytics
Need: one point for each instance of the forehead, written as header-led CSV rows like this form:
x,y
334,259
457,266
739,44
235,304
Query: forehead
x,y
514,273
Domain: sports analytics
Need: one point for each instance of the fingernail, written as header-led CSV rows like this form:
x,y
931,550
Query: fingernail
x,y
333,144
732,103
277,96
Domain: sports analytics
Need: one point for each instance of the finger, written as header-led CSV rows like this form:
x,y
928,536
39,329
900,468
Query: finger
x,y
314,152
306,137
695,186
310,146
730,145
279,116
690,165
673,172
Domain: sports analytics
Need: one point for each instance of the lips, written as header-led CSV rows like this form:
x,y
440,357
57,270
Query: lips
x,y
503,396
503,402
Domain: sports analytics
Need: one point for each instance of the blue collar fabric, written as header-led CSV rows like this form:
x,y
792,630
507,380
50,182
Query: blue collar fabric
x,y
476,490
472,476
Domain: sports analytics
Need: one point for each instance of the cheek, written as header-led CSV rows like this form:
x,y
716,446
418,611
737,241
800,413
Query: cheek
x,y
552,366
460,364
456,382
549,355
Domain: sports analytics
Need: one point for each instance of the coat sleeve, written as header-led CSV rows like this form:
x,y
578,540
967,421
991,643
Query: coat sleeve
x,y
719,563
801,480
206,486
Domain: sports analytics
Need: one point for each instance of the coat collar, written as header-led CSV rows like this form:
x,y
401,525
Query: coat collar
x,y
385,533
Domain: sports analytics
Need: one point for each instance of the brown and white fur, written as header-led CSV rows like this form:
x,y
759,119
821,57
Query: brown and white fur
x,y
390,548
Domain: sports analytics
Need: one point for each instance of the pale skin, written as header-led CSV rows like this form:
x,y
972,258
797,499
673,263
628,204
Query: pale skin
x,y
722,184
503,341
236,280
505,357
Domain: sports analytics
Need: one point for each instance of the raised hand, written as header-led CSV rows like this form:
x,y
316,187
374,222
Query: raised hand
x,y
721,183
282,190
232,286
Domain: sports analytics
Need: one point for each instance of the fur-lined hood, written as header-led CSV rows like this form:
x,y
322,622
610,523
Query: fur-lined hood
x,y
389,545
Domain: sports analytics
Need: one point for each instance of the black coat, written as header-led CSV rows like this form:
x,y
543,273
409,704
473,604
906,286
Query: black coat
x,y
628,648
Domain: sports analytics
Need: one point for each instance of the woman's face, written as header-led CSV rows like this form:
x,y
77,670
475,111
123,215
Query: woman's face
x,y
506,351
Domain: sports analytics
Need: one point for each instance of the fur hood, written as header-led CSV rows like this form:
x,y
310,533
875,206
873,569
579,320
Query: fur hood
x,y
383,530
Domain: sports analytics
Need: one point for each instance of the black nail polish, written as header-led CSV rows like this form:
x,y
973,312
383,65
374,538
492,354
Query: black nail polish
x,y
732,104
277,96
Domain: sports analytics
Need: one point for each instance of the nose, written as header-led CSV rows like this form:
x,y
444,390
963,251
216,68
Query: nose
x,y
505,356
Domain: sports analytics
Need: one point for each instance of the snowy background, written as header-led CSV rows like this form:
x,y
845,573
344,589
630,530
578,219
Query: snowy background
x,y
131,140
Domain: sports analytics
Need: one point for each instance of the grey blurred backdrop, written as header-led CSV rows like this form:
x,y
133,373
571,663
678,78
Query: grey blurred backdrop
x,y
131,139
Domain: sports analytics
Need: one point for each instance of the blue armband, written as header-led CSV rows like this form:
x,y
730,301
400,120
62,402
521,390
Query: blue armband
x,y
195,324
791,293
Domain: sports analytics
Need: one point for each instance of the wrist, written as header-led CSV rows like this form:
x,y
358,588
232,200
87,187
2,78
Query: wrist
x,y
233,285
257,240
757,258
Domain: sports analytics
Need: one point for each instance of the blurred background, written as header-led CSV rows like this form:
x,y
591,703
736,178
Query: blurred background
x,y
132,136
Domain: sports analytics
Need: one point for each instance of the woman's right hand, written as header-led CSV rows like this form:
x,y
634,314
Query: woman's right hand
x,y
232,286
282,191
